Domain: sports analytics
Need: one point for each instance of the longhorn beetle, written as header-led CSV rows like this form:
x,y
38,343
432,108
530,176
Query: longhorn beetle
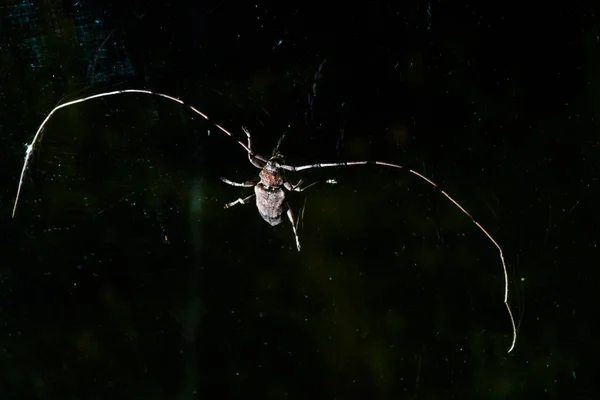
x,y
270,197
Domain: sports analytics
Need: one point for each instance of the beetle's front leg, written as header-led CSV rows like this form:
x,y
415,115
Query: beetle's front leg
x,y
254,161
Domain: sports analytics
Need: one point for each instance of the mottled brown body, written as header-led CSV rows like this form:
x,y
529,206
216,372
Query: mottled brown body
x,y
270,203
270,197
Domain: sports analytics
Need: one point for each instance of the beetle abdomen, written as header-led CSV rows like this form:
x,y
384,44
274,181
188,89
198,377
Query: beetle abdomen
x,y
269,203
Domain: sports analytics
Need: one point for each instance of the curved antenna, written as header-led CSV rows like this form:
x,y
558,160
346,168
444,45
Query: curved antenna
x,y
435,185
30,147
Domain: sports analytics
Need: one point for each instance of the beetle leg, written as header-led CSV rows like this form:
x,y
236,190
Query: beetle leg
x,y
239,201
291,217
276,149
243,184
253,160
296,187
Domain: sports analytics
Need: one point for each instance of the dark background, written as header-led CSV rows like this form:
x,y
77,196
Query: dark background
x,y
122,275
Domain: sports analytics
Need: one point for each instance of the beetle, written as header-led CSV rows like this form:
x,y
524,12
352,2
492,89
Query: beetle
x,y
268,189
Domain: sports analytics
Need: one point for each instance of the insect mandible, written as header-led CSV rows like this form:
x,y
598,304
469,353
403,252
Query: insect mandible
x,y
269,193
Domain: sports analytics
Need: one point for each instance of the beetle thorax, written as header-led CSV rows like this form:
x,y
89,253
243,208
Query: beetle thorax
x,y
271,176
